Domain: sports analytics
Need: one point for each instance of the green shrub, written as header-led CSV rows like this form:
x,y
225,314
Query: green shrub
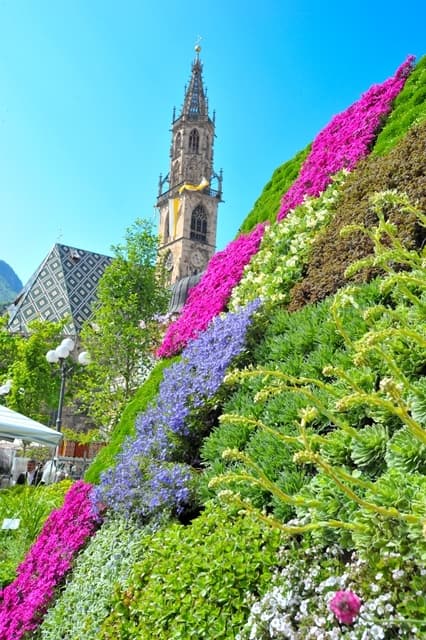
x,y
299,344
193,580
86,598
126,426
409,108
404,170
267,205
374,410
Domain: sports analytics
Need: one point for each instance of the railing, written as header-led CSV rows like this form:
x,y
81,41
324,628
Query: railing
x,y
174,192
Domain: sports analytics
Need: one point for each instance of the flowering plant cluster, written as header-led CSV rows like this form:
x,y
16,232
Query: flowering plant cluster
x,y
104,565
345,140
210,296
315,596
24,602
285,249
147,481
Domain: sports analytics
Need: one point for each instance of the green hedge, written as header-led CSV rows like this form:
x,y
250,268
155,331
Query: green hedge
x,y
193,580
409,109
267,205
126,426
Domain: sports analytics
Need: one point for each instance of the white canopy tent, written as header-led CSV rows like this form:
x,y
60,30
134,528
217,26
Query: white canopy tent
x,y
15,425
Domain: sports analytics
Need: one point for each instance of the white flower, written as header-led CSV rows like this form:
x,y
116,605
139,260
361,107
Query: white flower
x,y
398,574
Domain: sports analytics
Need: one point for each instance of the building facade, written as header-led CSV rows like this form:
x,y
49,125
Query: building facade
x,y
187,201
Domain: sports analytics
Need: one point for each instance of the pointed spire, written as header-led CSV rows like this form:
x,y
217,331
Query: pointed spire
x,y
195,102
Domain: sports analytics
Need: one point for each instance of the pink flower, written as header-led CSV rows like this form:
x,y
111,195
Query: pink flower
x,y
345,605
346,139
210,296
25,600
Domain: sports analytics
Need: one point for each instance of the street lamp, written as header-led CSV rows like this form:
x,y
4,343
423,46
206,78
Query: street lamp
x,y
5,388
60,355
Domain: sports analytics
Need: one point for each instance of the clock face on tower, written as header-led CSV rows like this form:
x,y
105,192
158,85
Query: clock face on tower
x,y
197,258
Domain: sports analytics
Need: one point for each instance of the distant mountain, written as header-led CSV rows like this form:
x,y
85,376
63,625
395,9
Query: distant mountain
x,y
10,284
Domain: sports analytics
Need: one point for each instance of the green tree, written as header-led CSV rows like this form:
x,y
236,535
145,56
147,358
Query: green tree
x,y
8,347
122,333
34,388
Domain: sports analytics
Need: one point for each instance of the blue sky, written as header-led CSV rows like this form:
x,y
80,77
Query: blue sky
x,y
87,90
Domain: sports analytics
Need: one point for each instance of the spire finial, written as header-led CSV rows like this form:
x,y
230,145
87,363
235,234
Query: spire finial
x,y
197,45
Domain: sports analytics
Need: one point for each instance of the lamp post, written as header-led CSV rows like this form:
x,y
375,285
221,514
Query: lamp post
x,y
60,355
5,388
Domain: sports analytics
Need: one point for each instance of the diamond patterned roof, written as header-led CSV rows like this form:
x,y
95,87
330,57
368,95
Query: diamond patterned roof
x,y
64,285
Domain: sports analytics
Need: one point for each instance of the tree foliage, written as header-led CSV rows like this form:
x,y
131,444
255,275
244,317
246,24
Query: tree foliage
x,y
34,390
122,333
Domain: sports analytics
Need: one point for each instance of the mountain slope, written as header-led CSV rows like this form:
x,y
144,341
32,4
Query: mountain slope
x,y
10,284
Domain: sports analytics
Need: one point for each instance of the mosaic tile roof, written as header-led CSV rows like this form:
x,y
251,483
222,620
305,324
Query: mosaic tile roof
x,y
64,285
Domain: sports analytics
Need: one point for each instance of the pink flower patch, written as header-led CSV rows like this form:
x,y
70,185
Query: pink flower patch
x,y
210,296
345,605
347,139
24,602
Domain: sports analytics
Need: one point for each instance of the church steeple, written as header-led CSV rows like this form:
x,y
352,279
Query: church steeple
x,y
195,106
188,206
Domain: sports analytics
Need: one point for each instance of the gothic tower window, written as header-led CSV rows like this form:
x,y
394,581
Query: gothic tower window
x,y
199,224
194,141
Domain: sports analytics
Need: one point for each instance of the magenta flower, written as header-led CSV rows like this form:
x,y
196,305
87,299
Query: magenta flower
x,y
347,138
210,296
345,605
24,601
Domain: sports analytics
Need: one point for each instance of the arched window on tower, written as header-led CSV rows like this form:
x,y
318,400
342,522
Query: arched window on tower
x,y
194,141
199,224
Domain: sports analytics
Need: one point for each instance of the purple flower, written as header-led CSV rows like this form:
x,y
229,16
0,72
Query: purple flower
x,y
149,479
345,605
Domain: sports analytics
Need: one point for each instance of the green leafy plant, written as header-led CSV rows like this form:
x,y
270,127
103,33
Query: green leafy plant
x,y
192,581
105,565
31,506
409,109
344,497
267,205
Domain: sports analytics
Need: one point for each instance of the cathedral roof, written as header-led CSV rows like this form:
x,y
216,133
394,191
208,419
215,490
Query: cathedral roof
x,y
64,285
180,290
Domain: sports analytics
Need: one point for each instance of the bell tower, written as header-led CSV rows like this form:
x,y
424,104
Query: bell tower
x,y
186,201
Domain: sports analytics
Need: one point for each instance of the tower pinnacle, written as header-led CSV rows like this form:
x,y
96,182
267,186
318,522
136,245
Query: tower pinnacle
x,y
195,102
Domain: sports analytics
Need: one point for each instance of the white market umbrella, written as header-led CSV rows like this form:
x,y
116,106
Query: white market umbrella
x,y
15,425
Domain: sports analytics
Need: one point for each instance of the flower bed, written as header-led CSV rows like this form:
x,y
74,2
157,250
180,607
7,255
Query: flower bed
x,y
345,140
24,602
147,481
210,296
